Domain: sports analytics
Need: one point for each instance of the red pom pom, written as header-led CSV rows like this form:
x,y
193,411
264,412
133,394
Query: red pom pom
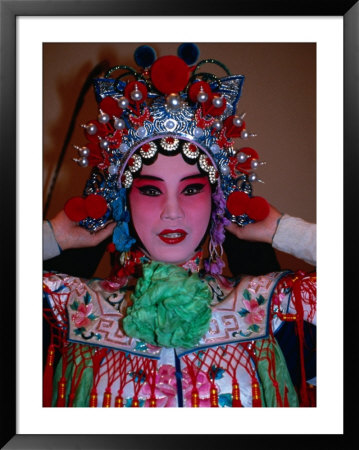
x,y
170,74
135,85
194,89
75,209
237,203
110,106
96,206
258,208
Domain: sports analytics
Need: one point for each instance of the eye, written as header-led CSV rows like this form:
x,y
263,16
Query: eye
x,y
193,189
151,191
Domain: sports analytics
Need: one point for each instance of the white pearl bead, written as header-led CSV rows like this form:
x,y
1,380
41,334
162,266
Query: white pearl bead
x,y
123,148
119,124
225,170
254,163
123,102
83,162
217,102
202,97
198,132
136,95
170,124
103,118
104,144
217,125
84,151
244,134
91,129
242,157
173,101
237,121
252,177
215,149
141,132
112,169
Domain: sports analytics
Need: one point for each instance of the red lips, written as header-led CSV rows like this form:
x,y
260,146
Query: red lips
x,y
172,236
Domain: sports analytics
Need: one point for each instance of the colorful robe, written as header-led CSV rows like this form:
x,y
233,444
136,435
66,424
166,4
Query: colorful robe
x,y
237,363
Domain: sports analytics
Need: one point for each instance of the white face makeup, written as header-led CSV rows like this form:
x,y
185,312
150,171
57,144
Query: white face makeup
x,y
170,205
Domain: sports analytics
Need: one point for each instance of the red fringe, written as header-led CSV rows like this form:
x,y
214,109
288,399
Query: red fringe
x,y
106,403
93,398
61,396
214,396
256,394
236,398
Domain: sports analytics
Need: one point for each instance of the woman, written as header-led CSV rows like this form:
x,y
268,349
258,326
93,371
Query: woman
x,y
167,329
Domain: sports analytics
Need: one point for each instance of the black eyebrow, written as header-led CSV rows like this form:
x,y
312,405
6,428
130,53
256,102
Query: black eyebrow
x,y
149,177
197,175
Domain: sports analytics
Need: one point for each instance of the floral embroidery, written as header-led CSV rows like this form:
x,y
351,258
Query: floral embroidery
x,y
166,387
203,386
83,316
253,312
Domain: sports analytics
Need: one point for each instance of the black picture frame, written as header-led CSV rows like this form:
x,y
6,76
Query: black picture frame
x,y
9,11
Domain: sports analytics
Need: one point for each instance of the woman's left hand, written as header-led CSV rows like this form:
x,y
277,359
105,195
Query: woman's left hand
x,y
262,231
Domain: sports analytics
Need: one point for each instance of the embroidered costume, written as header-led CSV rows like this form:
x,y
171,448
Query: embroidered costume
x,y
167,335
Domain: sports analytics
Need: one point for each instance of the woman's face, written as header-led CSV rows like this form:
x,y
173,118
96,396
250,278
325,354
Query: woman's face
x,y
170,206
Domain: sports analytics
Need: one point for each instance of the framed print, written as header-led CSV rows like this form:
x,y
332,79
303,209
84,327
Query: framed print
x,y
289,55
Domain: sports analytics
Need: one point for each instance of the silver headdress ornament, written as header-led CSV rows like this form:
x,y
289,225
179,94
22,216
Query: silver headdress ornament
x,y
169,106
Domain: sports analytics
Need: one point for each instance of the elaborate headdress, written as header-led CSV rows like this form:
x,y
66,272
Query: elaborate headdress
x,y
168,106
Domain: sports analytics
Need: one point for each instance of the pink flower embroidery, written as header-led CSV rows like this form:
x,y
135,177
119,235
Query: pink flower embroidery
x,y
166,387
203,386
256,314
80,318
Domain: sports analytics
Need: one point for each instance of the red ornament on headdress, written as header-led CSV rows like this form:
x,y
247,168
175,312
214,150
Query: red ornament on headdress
x,y
110,106
170,74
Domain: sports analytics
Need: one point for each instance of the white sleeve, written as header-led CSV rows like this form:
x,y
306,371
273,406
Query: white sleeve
x,y
50,247
296,237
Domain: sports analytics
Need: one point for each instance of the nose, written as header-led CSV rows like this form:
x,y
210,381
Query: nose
x,y
172,209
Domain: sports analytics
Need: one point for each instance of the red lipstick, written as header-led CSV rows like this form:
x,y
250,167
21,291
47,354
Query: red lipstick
x,y
172,236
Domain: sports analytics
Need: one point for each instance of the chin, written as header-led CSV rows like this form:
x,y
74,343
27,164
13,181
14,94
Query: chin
x,y
170,256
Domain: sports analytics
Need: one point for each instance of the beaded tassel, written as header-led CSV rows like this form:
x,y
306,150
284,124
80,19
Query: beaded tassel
x,y
152,402
256,394
214,396
119,400
93,398
135,402
236,400
61,396
106,403
195,398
